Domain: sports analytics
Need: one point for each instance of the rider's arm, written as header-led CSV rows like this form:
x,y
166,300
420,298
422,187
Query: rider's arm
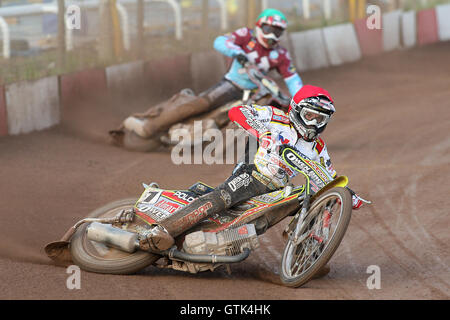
x,y
294,83
231,44
251,119
289,73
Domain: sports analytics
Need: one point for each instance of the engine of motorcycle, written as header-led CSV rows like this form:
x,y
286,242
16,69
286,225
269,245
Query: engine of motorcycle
x,y
228,242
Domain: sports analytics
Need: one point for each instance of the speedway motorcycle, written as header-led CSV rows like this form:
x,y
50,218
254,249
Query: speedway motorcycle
x,y
108,240
267,92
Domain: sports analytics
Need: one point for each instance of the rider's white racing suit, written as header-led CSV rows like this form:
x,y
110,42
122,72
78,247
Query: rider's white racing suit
x,y
273,129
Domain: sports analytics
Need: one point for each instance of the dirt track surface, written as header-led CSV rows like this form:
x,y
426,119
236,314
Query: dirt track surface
x,y
390,135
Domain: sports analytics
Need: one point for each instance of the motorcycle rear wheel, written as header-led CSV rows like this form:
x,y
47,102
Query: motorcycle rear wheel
x,y
95,257
295,269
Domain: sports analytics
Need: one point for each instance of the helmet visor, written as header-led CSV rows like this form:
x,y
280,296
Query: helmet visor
x,y
313,117
269,29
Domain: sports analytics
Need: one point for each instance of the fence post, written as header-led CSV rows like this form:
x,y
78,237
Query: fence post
x,y
105,26
117,32
123,25
178,18
306,9
352,10
361,8
6,42
327,9
264,5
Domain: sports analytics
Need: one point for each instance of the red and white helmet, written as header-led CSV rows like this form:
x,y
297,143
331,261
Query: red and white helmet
x,y
270,25
310,111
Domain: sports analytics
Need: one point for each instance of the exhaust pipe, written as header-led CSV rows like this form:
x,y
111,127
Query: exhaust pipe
x,y
114,237
205,258
128,242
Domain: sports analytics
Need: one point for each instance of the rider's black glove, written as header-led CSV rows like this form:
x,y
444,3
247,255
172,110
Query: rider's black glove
x,y
242,58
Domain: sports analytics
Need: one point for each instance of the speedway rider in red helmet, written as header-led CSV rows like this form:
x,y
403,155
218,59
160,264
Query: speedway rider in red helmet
x,y
310,111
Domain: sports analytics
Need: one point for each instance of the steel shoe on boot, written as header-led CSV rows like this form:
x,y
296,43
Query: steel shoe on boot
x,y
157,240
136,125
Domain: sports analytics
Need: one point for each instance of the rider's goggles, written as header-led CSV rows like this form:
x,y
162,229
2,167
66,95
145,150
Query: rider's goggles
x,y
313,117
269,29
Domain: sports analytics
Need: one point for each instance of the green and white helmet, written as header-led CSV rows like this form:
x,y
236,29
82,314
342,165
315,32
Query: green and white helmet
x,y
270,25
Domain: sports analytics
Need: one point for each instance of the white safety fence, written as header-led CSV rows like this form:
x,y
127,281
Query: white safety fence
x,y
306,9
40,9
121,5
122,9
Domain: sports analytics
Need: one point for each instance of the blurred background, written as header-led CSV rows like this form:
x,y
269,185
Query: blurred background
x,y
37,41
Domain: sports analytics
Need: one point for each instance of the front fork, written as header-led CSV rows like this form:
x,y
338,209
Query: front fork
x,y
292,230
294,226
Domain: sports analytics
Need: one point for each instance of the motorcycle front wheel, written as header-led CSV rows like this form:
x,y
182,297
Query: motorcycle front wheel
x,y
96,257
320,234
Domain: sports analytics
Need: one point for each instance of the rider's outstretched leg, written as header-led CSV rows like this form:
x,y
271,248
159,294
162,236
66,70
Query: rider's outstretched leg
x,y
242,185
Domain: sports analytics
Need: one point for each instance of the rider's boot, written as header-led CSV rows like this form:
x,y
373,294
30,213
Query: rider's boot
x,y
158,239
